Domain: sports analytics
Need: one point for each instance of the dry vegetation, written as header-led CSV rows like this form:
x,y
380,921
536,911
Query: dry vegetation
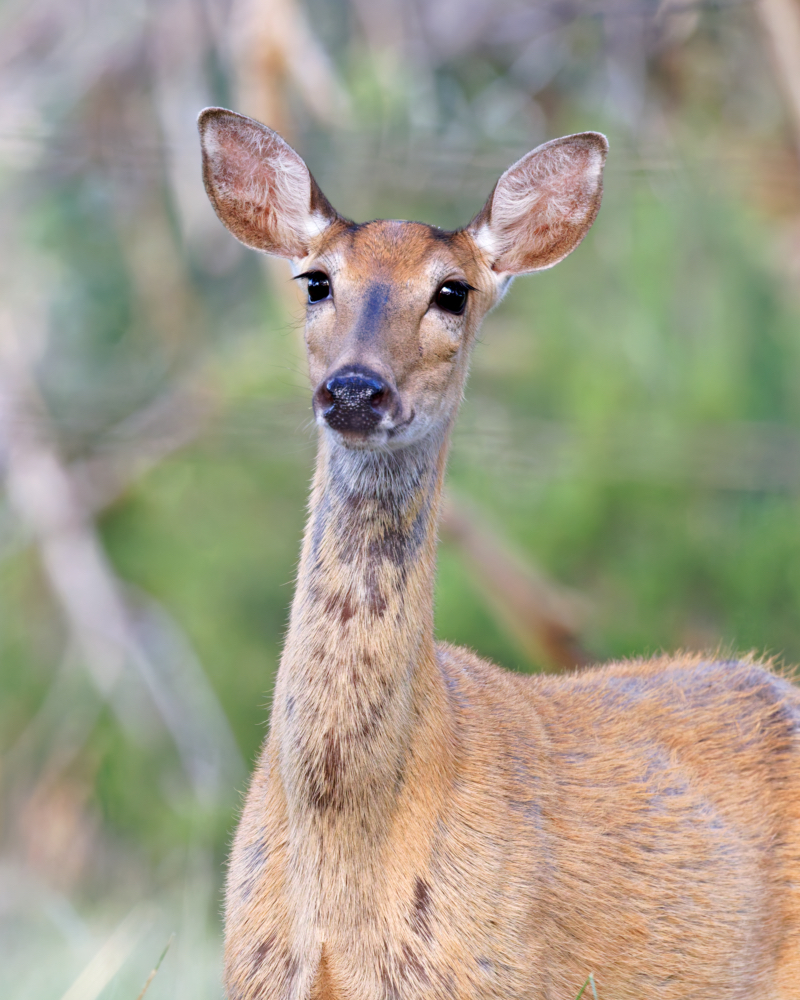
x,y
626,471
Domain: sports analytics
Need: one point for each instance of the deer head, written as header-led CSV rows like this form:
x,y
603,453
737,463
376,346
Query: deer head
x,y
394,307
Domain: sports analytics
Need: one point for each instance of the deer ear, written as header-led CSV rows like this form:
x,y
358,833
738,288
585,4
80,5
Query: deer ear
x,y
542,206
259,187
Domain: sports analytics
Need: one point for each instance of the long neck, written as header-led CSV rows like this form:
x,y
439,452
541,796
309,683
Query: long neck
x,y
358,676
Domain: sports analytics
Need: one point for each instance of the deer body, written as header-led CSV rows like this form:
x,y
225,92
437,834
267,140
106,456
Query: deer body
x,y
422,823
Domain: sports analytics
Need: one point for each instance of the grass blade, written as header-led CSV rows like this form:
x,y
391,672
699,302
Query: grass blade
x,y
589,982
111,957
156,967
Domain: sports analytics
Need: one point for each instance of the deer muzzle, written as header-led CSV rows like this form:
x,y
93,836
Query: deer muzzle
x,y
356,401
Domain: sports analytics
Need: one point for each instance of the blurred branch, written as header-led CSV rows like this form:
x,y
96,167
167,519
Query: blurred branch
x,y
52,733
543,617
131,449
41,490
781,20
275,50
746,456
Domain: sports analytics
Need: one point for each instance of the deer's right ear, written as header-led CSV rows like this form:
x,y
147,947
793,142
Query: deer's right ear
x,y
259,187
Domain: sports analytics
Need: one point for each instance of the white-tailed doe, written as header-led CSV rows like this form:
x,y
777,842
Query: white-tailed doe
x,y
422,824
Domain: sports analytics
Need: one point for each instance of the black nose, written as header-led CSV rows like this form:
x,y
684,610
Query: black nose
x,y
354,400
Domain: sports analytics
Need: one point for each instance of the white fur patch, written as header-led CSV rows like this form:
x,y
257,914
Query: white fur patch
x,y
486,241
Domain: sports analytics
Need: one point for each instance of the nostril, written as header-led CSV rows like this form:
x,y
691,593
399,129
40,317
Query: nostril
x,y
324,395
379,397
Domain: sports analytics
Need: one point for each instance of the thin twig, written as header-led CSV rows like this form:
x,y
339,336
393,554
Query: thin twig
x,y
541,615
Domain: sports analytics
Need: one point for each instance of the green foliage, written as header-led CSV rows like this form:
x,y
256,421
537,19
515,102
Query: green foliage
x,y
593,390
632,423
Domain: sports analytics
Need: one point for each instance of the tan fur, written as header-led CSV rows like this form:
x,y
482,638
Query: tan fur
x,y
424,824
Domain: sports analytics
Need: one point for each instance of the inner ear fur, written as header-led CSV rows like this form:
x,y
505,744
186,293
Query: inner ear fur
x,y
259,186
543,205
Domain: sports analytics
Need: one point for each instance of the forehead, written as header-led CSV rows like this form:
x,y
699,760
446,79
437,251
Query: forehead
x,y
404,250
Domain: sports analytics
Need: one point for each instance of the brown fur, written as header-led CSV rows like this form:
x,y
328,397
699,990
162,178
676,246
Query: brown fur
x,y
424,824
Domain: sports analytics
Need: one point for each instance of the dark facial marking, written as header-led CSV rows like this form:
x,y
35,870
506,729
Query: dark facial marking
x,y
399,543
373,315
332,762
341,604
290,975
447,982
440,235
420,914
253,858
410,965
376,712
390,990
261,952
322,779
376,602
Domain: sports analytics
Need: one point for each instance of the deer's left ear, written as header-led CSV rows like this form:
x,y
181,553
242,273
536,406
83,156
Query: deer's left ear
x,y
542,206
259,186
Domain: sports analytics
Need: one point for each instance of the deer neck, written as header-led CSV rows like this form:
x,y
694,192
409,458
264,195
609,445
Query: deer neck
x,y
358,686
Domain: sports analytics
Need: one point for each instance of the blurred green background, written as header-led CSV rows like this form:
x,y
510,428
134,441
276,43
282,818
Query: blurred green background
x,y
628,453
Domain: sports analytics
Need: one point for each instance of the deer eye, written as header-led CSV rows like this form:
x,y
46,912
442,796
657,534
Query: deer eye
x,y
452,296
319,286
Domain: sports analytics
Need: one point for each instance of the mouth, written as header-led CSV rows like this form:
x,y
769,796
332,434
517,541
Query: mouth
x,y
396,429
386,435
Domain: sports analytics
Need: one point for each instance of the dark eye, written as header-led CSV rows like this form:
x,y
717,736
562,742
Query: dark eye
x,y
452,296
319,286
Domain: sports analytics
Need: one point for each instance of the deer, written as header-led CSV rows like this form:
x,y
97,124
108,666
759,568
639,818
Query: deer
x,y
420,822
